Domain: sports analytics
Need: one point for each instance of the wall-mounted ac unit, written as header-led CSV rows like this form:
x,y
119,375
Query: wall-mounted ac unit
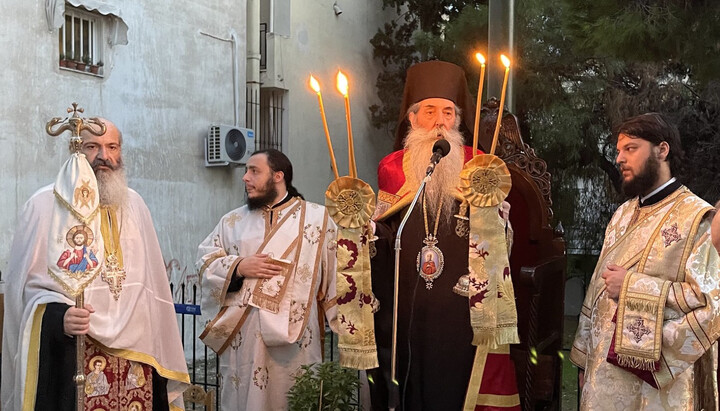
x,y
226,145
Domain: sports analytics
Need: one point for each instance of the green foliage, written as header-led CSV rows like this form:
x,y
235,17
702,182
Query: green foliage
x,y
583,67
339,388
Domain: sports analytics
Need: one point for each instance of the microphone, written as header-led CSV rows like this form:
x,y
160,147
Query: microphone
x,y
441,148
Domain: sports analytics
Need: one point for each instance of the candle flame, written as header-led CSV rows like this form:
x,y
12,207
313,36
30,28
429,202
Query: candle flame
x,y
480,58
314,84
342,83
505,61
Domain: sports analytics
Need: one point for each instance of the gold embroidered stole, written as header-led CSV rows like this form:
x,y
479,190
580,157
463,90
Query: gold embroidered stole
x,y
113,272
627,238
485,183
641,305
280,242
351,202
300,239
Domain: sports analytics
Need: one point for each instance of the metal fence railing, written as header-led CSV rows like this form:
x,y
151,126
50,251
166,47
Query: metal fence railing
x,y
203,364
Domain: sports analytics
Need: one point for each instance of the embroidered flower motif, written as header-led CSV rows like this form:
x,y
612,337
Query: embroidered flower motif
x,y
260,377
216,295
306,339
237,341
348,289
271,286
481,290
311,233
350,202
478,249
671,235
235,381
297,311
485,181
220,332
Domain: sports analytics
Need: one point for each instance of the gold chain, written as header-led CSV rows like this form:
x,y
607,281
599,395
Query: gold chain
x,y
437,217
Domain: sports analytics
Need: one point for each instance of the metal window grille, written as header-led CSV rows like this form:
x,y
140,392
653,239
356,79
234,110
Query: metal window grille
x,y
263,46
80,35
272,111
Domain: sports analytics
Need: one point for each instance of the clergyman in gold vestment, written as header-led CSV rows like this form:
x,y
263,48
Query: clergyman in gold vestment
x,y
648,325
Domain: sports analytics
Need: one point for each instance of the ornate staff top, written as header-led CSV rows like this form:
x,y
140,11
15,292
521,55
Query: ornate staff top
x,y
75,124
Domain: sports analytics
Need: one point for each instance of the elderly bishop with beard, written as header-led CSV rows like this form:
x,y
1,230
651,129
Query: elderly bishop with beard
x,y
435,354
128,316
649,322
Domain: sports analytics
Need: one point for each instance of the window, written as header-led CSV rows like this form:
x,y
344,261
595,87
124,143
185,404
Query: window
x,y
80,40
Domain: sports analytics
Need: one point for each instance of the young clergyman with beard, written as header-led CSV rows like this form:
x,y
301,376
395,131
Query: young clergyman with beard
x,y
649,323
128,316
435,354
267,272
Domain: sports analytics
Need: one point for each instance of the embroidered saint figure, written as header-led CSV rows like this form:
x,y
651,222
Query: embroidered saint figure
x,y
84,196
80,257
96,382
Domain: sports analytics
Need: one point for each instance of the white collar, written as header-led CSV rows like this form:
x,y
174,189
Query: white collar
x,y
657,190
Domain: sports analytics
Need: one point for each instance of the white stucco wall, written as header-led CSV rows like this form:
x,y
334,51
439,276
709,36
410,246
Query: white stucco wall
x,y
322,43
163,89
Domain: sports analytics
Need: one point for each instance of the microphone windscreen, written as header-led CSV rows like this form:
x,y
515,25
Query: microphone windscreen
x,y
443,146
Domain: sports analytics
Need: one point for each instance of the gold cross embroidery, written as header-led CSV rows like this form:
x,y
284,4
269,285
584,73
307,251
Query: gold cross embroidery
x,y
638,329
114,275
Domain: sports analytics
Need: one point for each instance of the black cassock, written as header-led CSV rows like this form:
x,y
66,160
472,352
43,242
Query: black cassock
x,y
437,345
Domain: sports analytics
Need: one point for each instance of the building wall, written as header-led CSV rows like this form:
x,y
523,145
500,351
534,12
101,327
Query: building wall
x,y
164,88
320,44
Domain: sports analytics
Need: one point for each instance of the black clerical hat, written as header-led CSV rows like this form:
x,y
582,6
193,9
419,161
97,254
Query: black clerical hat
x,y
436,79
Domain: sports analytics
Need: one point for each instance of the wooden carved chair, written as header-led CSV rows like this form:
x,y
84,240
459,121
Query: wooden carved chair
x,y
537,262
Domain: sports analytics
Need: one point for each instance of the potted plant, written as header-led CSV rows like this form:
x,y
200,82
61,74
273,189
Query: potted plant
x,y
63,61
71,63
84,61
79,62
325,386
95,67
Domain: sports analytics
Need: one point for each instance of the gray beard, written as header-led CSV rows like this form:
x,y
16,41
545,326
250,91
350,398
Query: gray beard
x,y
446,177
112,186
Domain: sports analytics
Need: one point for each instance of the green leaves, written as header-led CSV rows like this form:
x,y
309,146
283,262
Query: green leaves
x,y
339,388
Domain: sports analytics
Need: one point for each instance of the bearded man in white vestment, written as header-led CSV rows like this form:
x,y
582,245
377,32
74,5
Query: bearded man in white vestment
x,y
268,279
127,317
647,334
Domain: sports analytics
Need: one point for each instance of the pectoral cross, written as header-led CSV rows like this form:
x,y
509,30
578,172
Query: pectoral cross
x,y
114,275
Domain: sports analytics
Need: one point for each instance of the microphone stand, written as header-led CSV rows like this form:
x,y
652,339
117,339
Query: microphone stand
x,y
394,389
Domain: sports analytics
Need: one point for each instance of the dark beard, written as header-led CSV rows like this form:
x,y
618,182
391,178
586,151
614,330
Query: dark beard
x,y
266,198
644,181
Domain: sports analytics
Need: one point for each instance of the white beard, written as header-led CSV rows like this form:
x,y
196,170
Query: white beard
x,y
446,177
112,186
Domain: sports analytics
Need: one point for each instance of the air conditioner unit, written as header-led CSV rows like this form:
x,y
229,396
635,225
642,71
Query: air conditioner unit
x,y
226,145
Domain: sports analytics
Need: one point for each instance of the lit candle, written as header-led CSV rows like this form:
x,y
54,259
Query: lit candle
x,y
506,63
316,86
478,102
342,86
